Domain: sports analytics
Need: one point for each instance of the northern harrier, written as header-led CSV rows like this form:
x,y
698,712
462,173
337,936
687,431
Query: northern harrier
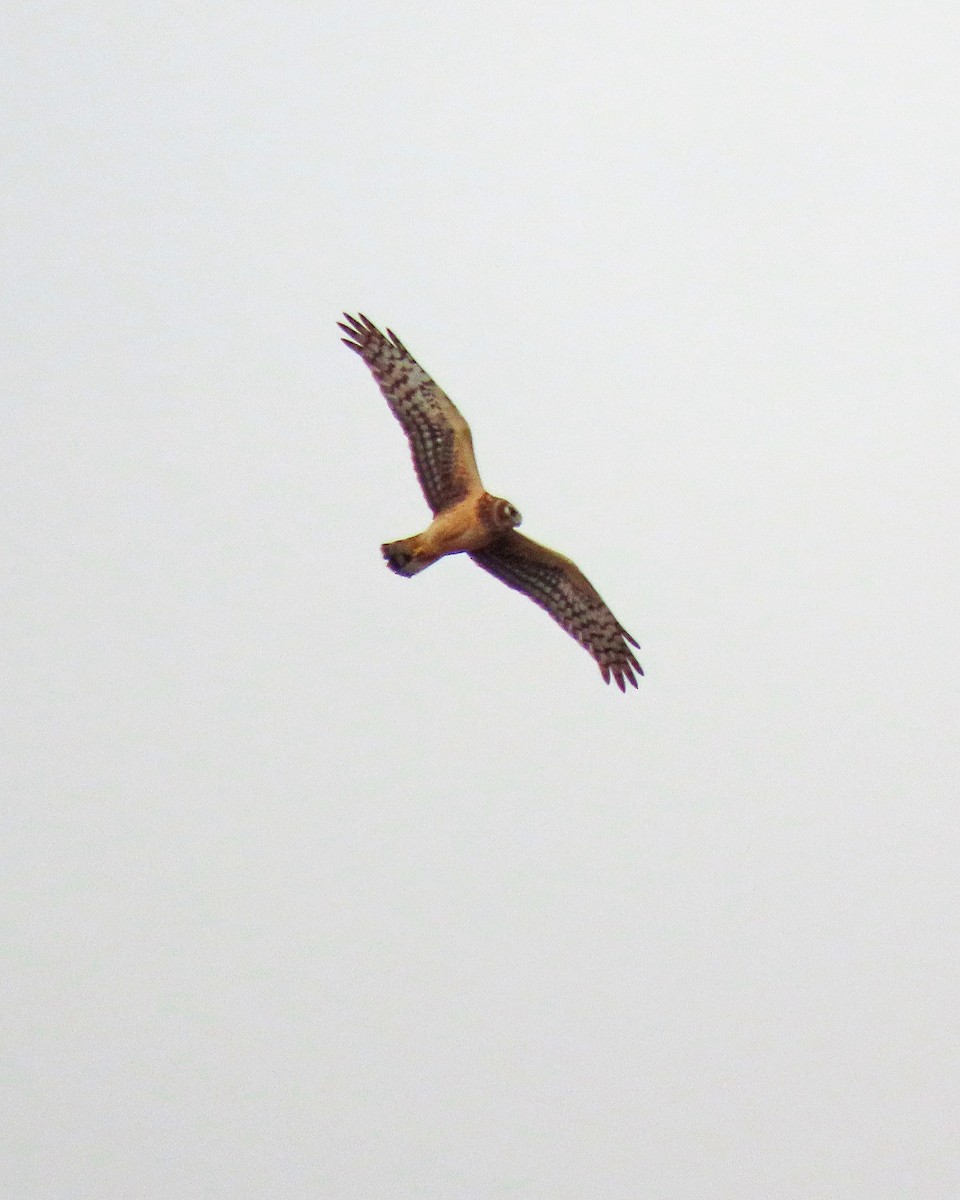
x,y
467,519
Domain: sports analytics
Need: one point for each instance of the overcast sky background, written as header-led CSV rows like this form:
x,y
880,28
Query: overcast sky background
x,y
320,882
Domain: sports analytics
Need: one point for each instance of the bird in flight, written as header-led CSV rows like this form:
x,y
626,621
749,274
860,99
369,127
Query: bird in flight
x,y
467,519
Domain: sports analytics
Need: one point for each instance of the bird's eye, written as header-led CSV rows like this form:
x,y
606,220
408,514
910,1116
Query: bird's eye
x,y
506,514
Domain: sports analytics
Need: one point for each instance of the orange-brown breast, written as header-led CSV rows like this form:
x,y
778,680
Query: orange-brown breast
x,y
458,528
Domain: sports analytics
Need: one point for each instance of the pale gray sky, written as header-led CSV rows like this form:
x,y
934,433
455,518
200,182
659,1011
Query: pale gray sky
x,y
317,882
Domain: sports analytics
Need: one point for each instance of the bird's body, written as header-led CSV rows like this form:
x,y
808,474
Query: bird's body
x,y
469,524
467,519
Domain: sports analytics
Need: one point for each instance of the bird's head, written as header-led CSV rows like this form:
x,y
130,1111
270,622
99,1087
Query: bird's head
x,y
501,514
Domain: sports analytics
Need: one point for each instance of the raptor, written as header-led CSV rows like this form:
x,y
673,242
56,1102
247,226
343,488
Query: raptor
x,y
468,520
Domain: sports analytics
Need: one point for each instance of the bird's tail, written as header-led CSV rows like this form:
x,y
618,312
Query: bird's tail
x,y
406,557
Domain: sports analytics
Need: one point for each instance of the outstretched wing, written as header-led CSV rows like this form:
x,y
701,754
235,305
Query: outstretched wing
x,y
560,587
439,437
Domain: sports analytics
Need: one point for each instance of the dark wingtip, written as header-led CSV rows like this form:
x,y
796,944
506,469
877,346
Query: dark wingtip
x,y
353,330
623,672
